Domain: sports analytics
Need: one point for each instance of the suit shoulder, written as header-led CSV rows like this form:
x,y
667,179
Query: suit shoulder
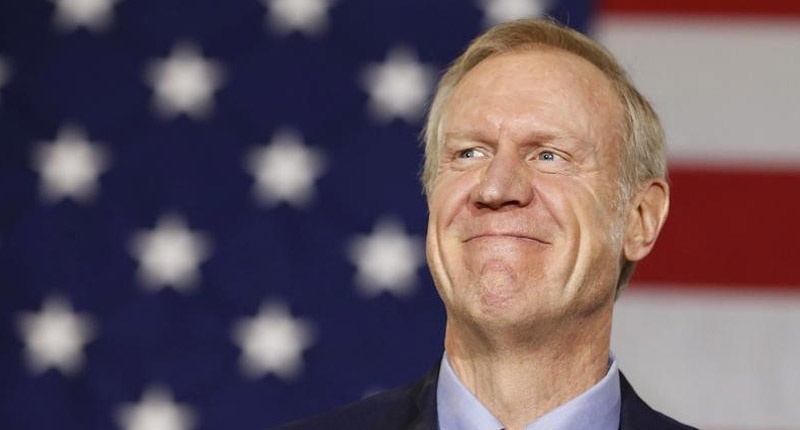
x,y
391,409
664,422
636,414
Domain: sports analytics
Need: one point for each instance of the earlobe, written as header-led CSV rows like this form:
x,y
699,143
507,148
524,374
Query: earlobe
x,y
646,216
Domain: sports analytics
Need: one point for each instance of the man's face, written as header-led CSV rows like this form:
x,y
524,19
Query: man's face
x,y
525,222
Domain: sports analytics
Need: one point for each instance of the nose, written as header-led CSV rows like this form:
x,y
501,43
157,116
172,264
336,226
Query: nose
x,y
505,182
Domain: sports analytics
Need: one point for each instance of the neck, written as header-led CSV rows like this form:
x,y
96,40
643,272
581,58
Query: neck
x,y
519,381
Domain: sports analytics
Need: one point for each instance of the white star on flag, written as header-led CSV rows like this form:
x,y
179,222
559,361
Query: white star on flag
x,y
55,337
272,342
185,82
170,254
95,15
386,260
156,411
69,166
398,87
497,11
5,72
285,170
305,16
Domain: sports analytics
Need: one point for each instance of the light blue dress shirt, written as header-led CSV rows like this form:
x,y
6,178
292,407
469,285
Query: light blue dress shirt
x,y
597,408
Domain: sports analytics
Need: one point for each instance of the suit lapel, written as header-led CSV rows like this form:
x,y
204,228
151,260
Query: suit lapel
x,y
632,407
635,414
425,401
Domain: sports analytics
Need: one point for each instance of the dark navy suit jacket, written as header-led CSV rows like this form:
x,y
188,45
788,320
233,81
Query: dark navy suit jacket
x,y
414,408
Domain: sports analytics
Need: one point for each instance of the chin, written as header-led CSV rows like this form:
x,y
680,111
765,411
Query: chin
x,y
506,306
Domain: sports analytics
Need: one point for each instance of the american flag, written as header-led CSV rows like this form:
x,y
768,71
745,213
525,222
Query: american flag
x,y
211,217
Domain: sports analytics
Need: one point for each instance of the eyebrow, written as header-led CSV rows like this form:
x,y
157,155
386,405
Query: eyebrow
x,y
534,136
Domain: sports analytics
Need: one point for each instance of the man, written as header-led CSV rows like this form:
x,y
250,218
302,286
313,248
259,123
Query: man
x,y
545,176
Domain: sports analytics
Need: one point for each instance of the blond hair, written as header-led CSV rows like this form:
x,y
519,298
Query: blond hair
x,y
642,143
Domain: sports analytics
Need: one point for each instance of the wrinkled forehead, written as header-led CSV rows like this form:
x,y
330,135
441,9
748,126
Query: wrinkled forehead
x,y
537,83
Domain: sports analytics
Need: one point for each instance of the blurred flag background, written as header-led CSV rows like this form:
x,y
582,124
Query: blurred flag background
x,y
210,217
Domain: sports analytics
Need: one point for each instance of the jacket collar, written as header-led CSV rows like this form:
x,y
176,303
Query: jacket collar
x,y
634,412
425,402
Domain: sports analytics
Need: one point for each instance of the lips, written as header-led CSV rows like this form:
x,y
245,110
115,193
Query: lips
x,y
504,235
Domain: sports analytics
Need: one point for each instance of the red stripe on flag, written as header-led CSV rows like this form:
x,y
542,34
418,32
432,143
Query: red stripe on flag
x,y
734,229
703,7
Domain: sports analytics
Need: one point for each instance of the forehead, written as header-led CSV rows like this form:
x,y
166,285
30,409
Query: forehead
x,y
541,88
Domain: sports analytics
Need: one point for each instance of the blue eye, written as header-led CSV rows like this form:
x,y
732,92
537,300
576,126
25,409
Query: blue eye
x,y
469,153
547,156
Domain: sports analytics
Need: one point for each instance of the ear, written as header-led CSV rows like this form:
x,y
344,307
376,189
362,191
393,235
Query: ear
x,y
646,216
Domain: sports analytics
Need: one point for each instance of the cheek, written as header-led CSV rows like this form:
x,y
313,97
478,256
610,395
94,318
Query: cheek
x,y
581,220
595,225
449,198
446,201
592,204
556,200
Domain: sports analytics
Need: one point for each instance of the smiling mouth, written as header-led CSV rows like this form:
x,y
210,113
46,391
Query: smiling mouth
x,y
505,236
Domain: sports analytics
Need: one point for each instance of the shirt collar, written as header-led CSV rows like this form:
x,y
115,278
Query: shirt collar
x,y
457,407
597,408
